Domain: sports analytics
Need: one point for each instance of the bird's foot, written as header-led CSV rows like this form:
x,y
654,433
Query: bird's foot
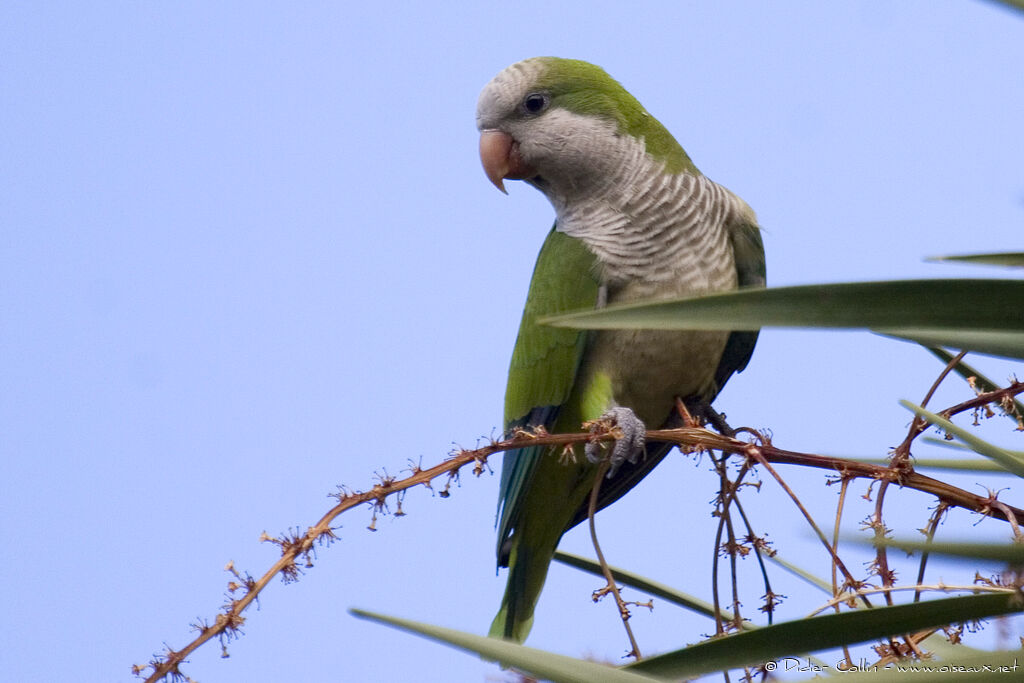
x,y
628,447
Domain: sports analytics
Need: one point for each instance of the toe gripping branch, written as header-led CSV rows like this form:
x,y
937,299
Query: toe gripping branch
x,y
628,447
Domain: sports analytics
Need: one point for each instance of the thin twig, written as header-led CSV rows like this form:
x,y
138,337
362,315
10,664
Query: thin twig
x,y
843,486
940,587
734,580
611,587
929,533
715,554
731,547
754,452
230,619
1002,507
899,462
772,598
840,506
846,468
918,424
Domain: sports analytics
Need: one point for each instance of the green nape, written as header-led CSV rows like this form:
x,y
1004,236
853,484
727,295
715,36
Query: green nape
x,y
587,89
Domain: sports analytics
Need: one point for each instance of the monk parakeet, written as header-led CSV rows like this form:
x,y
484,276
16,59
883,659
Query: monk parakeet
x,y
634,221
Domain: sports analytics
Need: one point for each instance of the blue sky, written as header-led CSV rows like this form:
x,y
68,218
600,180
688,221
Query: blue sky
x,y
247,253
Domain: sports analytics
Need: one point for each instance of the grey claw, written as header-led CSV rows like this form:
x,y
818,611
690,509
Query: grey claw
x,y
628,447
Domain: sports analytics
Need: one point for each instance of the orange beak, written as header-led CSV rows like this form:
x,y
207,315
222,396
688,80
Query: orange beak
x,y
499,153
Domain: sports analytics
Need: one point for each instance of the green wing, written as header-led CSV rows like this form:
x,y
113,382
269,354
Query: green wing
x,y
544,363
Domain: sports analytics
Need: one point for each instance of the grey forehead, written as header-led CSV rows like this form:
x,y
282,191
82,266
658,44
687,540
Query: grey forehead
x,y
504,92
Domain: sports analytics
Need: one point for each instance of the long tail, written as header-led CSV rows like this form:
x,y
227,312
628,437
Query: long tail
x,y
533,543
528,569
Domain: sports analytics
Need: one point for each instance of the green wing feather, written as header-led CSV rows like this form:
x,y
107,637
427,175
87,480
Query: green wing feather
x,y
544,363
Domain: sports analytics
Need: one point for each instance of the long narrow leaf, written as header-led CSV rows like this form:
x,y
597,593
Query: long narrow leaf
x,y
643,584
1006,258
673,595
978,315
997,552
820,633
930,305
1008,343
540,663
801,573
1013,4
956,445
1009,460
955,465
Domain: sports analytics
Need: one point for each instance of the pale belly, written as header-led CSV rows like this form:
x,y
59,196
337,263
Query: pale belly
x,y
649,368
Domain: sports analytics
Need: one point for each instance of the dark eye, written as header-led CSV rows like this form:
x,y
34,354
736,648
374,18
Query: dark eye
x,y
534,103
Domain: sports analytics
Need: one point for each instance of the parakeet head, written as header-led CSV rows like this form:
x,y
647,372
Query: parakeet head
x,y
566,126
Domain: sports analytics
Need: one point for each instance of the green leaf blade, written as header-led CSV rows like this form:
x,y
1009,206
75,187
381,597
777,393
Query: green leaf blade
x,y
1007,343
641,583
823,632
1009,460
1005,258
996,552
947,464
546,665
924,305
